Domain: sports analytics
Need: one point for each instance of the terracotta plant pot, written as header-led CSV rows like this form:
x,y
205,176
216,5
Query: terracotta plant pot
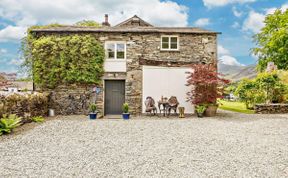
x,y
211,110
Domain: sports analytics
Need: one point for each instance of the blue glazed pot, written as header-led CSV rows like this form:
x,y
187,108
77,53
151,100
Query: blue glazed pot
x,y
126,115
93,115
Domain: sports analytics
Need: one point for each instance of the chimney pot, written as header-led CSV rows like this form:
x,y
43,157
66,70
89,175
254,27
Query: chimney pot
x,y
106,22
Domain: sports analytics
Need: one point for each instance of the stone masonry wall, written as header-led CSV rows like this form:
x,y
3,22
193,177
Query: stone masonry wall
x,y
144,49
68,100
271,108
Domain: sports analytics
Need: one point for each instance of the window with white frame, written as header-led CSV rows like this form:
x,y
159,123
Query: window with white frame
x,y
169,43
115,50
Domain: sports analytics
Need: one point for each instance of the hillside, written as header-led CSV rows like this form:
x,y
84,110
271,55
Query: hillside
x,y
236,73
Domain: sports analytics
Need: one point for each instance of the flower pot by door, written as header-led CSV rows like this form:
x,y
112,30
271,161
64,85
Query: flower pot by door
x,y
126,116
93,115
211,110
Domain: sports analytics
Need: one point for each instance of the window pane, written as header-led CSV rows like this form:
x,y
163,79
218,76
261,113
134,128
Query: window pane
x,y
111,55
165,45
120,51
110,50
165,39
120,55
173,39
173,45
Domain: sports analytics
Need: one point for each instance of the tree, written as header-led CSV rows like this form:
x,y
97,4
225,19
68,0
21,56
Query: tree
x,y
206,85
88,23
272,41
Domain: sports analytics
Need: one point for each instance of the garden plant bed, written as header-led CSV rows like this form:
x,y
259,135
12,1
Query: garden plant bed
x,y
228,145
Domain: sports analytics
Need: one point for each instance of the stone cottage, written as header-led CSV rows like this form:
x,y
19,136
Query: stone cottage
x,y
141,60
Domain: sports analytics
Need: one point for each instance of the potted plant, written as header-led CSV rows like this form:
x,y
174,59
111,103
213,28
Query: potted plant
x,y
206,86
125,109
93,112
200,109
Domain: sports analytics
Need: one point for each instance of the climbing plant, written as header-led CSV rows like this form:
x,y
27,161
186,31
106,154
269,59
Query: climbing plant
x,y
55,59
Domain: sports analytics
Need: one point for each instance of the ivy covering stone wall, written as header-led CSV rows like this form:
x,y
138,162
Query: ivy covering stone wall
x,y
55,59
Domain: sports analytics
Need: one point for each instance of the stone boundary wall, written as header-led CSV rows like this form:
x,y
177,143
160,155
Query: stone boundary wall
x,y
271,108
24,105
73,100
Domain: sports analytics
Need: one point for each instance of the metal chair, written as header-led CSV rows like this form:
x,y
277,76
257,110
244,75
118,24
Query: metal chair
x,y
150,106
172,104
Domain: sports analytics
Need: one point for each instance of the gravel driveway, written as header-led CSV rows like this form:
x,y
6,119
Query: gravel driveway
x,y
229,145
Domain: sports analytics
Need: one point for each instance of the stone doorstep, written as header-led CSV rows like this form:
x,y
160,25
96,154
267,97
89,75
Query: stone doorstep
x,y
112,116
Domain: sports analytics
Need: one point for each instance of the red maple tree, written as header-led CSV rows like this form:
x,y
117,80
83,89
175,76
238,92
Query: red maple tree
x,y
206,84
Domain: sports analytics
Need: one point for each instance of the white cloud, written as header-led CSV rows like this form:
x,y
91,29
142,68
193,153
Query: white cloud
x,y
229,60
236,12
255,20
273,9
218,3
30,12
202,22
12,33
226,58
222,50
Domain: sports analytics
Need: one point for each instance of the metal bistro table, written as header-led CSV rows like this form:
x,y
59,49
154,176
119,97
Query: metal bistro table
x,y
165,105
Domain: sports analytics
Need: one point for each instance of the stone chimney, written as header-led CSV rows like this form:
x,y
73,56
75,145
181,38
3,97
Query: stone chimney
x,y
106,22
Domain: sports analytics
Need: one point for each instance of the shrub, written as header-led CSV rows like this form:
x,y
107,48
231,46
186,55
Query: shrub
x,y
272,86
93,107
248,92
38,119
8,123
266,87
125,108
206,85
200,108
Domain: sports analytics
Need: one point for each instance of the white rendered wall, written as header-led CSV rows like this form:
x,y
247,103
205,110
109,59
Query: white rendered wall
x,y
166,82
115,65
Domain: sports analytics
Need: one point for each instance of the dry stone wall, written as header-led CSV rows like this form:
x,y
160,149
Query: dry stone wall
x,y
271,108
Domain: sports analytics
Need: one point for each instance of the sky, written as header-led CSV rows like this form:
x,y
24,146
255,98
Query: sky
x,y
237,20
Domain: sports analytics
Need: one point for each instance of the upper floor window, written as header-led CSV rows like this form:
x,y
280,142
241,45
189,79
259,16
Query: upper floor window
x,y
115,50
169,43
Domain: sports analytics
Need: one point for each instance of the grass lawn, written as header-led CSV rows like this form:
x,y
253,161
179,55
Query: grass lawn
x,y
235,106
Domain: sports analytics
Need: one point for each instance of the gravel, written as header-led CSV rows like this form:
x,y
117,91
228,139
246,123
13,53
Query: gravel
x,y
229,145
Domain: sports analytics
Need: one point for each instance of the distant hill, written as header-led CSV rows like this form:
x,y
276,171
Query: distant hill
x,y
236,73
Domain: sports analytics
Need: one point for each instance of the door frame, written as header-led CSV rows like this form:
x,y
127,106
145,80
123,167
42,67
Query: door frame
x,y
104,92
